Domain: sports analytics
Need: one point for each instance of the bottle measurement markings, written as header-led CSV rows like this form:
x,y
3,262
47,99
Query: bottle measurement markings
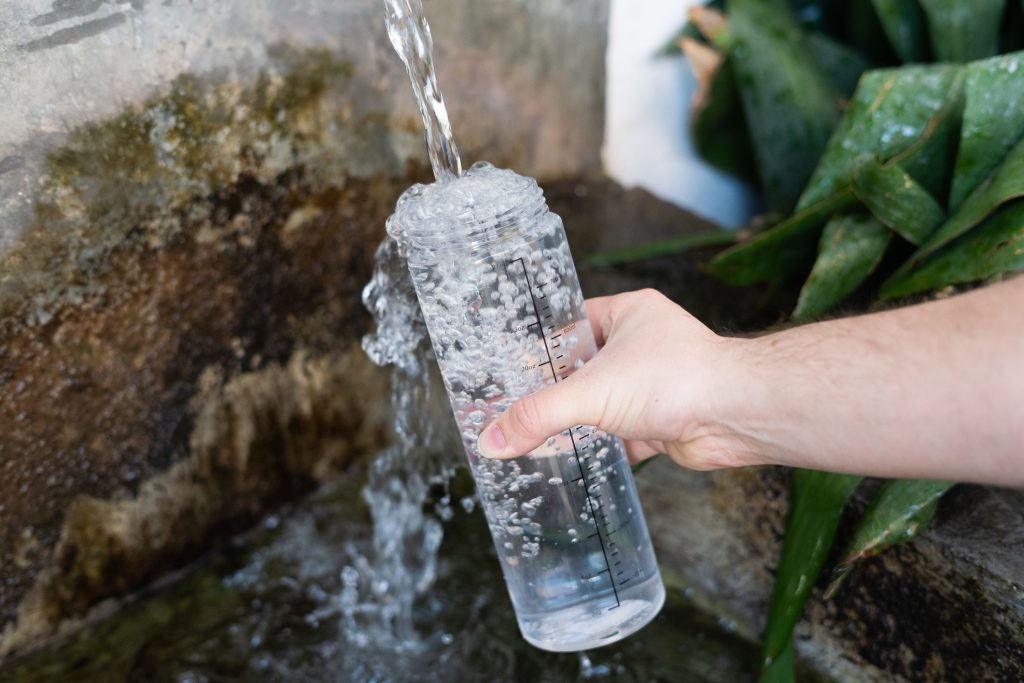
x,y
579,436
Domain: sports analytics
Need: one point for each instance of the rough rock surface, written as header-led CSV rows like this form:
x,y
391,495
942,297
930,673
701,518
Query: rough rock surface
x,y
190,194
190,198
947,607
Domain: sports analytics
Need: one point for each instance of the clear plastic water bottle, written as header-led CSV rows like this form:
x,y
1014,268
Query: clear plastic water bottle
x,y
502,302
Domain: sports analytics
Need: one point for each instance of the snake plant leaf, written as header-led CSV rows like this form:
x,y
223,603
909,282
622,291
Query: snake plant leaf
x,y
908,115
669,247
637,467
674,46
897,200
817,502
711,22
718,128
904,26
780,250
993,121
719,131
899,511
1005,185
963,30
851,249
783,669
995,248
789,102
692,29
843,65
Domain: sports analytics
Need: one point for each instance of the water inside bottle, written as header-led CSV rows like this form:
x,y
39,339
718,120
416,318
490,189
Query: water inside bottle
x,y
500,296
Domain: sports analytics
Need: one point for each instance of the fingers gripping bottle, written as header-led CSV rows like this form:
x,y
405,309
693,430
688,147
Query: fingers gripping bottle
x,y
503,306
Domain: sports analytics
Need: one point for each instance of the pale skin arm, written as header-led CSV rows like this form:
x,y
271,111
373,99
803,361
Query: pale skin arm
x,y
933,391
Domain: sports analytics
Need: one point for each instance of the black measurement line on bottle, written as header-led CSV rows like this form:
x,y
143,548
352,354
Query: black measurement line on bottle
x,y
593,499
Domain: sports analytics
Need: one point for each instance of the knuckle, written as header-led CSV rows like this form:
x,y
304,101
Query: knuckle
x,y
648,292
643,303
701,464
650,296
706,457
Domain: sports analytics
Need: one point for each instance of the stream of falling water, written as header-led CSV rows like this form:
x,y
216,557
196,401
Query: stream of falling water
x,y
381,587
410,35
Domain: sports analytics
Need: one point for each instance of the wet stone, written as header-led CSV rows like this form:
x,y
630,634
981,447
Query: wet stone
x,y
181,259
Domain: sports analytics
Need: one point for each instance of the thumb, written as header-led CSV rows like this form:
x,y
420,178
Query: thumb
x,y
532,420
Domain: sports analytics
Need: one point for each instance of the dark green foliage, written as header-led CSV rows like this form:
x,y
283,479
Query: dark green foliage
x,y
962,30
897,200
677,245
816,505
904,25
993,121
884,120
896,114
899,510
1004,185
842,64
995,248
775,253
926,155
851,248
893,150
719,129
1013,27
789,100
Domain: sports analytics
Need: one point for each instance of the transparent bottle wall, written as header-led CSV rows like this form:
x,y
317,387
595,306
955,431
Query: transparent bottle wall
x,y
503,305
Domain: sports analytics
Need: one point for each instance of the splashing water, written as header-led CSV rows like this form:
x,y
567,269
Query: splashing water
x,y
382,587
410,35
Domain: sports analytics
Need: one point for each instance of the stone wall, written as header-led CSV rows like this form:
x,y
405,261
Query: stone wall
x,y
190,197
947,607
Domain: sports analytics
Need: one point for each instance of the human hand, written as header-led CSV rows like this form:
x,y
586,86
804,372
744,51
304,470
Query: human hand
x,y
658,381
882,394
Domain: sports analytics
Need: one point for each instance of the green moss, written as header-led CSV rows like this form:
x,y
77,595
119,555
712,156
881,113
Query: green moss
x,y
137,180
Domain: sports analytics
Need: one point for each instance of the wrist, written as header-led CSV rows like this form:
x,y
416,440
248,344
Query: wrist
x,y
733,421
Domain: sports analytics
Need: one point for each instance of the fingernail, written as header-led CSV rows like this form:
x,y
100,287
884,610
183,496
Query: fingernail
x,y
492,442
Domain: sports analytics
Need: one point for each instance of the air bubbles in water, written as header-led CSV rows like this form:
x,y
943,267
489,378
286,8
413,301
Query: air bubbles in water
x,y
382,587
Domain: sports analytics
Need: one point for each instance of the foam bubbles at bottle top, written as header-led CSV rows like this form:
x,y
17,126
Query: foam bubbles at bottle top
x,y
484,203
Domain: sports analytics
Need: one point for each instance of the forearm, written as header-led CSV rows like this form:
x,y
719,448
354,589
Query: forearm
x,y
929,391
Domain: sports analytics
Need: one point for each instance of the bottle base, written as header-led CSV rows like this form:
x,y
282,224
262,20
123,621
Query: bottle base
x,y
587,626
